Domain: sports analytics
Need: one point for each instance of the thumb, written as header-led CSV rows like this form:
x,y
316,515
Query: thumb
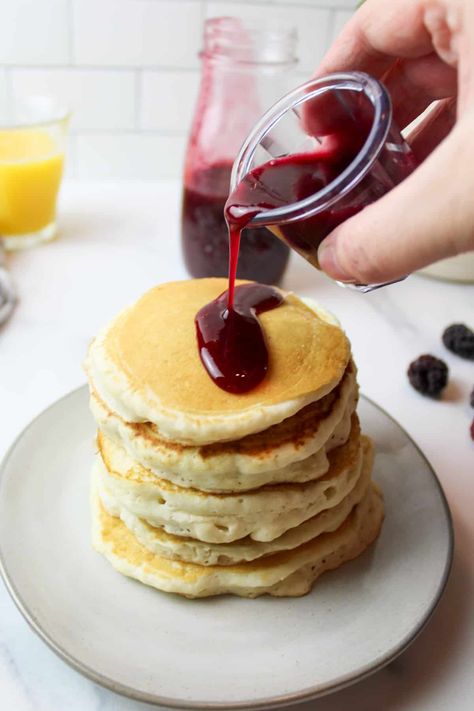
x,y
427,217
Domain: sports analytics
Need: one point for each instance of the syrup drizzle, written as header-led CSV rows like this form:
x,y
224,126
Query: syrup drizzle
x,y
230,338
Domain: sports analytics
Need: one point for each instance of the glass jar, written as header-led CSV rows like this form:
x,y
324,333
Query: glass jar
x,y
346,120
245,69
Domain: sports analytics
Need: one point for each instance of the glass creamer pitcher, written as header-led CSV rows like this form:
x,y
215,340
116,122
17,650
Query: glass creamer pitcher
x,y
321,154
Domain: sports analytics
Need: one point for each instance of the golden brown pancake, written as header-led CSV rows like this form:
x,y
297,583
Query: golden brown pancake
x,y
190,550
289,573
263,514
293,450
154,343
147,367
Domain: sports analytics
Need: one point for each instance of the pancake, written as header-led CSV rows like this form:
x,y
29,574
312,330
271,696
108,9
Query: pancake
x,y
263,514
158,541
289,573
146,367
281,453
201,492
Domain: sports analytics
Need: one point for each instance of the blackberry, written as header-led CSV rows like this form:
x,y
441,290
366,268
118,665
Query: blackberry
x,y
428,375
459,339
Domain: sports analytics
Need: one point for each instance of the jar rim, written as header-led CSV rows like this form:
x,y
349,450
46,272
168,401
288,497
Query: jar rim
x,y
351,175
236,39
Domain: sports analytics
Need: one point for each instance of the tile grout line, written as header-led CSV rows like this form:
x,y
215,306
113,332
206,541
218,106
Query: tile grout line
x,y
138,96
101,68
148,132
289,6
71,33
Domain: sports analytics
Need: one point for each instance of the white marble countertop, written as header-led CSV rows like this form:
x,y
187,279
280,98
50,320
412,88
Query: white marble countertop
x,y
116,241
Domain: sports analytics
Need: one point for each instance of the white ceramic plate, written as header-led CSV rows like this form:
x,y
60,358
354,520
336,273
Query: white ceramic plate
x,y
223,652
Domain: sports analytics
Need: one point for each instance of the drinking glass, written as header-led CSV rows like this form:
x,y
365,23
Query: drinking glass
x,y
32,146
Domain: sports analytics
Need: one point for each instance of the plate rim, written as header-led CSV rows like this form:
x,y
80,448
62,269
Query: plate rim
x,y
271,702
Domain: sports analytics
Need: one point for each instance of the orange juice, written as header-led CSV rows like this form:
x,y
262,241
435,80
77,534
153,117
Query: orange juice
x,y
30,173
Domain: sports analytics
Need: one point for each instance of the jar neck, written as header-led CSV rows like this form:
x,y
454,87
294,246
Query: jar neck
x,y
230,41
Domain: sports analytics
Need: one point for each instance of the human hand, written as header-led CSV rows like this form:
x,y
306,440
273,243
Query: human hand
x,y
422,50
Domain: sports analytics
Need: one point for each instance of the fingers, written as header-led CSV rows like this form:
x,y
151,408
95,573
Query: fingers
x,y
426,218
414,84
434,127
379,32
411,46
390,41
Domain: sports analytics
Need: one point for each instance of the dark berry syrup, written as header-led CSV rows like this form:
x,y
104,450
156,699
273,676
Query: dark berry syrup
x,y
230,338
205,242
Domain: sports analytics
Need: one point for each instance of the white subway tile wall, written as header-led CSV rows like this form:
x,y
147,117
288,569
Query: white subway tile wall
x,y
167,100
136,33
129,69
127,155
34,32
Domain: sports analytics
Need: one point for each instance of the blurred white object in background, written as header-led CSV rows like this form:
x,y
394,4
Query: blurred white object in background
x,y
459,268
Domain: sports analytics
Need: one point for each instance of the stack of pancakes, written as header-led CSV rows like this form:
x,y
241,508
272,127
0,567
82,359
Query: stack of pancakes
x,y
200,492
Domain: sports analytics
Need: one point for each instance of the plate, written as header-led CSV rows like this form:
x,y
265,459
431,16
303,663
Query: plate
x,y
223,652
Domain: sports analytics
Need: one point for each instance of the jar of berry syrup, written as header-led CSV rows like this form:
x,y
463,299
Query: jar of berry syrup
x,y
245,69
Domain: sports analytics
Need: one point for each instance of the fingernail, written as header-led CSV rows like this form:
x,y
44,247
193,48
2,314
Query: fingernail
x,y
329,263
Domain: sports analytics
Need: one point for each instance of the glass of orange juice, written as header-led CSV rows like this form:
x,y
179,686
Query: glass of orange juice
x,y
32,146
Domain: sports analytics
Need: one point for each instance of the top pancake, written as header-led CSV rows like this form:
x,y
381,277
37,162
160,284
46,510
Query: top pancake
x,y
146,365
